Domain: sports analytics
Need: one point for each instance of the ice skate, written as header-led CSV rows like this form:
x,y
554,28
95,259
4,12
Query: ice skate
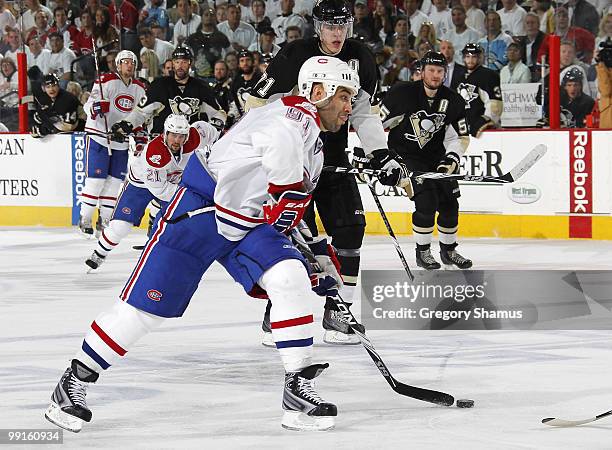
x,y
100,225
68,408
267,340
337,329
86,228
94,261
304,409
451,259
425,259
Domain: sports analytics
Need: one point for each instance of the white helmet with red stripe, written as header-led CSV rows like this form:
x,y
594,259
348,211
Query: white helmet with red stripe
x,y
329,71
177,124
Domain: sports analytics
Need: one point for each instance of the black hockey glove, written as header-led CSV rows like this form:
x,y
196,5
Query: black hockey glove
x,y
388,162
449,164
361,161
121,130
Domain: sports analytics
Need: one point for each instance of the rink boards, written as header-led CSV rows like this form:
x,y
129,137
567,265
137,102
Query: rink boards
x,y
567,194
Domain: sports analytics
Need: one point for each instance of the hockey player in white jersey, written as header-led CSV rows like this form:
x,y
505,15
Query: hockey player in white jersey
x,y
112,98
153,175
234,205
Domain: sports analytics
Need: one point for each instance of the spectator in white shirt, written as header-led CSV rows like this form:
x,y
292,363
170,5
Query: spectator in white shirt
x,y
475,16
515,71
187,24
8,81
27,21
265,44
13,39
460,34
38,56
414,15
240,34
163,49
292,34
286,19
61,57
6,18
512,18
441,18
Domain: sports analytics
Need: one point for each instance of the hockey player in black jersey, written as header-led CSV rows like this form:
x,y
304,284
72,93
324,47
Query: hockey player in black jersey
x,y
244,82
56,109
481,90
336,197
428,129
179,93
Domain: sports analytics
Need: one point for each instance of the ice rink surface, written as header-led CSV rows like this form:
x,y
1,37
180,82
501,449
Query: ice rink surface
x,y
204,381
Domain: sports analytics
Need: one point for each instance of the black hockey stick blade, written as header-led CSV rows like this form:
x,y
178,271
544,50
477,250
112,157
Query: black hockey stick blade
x,y
426,395
554,422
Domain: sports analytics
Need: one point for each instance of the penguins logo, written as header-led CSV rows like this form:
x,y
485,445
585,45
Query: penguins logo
x,y
186,106
467,91
424,126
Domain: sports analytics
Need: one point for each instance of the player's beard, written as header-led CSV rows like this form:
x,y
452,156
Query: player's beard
x,y
431,87
181,74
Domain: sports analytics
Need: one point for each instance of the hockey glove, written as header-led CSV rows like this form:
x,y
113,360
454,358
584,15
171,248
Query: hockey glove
x,y
449,164
99,108
121,130
327,258
324,284
140,139
480,124
287,211
361,161
389,163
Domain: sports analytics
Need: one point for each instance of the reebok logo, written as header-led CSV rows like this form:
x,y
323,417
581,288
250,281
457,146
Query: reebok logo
x,y
580,170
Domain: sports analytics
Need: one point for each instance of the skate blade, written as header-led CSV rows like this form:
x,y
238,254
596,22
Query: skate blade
x,y
85,236
56,416
298,421
267,340
334,337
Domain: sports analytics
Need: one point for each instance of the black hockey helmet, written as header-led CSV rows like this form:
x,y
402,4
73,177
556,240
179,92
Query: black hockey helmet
x,y
433,59
332,12
182,52
50,80
245,54
471,48
574,74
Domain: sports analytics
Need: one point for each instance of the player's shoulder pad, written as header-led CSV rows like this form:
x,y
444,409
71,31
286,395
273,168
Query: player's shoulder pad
x,y
298,106
157,154
193,141
106,77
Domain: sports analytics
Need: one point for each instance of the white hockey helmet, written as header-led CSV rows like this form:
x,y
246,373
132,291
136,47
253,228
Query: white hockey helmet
x,y
329,71
177,124
125,54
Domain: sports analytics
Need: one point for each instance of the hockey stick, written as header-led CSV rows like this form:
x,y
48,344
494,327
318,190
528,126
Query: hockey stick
x,y
554,422
426,395
95,54
517,171
398,249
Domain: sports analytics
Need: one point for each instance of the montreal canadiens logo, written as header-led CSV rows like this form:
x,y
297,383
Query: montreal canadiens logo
x,y
126,210
124,103
154,295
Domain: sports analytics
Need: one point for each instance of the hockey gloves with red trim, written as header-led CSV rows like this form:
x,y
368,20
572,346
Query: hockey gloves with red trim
x,y
449,164
287,211
99,109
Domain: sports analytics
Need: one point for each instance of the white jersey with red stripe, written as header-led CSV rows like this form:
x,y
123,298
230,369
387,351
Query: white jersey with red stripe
x,y
123,99
157,169
272,149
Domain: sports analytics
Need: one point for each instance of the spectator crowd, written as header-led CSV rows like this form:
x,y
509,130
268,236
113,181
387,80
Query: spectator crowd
x,y
233,42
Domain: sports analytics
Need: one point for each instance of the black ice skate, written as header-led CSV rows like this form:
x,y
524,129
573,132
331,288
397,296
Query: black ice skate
x,y
425,259
267,339
451,259
95,261
86,228
304,409
337,329
68,408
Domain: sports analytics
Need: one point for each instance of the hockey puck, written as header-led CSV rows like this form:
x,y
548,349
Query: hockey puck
x,y
465,403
